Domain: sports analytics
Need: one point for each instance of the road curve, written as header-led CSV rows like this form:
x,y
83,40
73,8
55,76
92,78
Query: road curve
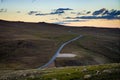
x,y
58,51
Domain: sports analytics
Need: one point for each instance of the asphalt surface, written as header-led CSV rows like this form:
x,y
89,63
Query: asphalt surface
x,y
58,51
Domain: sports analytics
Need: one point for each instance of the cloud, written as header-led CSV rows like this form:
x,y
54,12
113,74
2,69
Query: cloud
x,y
69,21
75,20
32,12
113,12
60,11
41,14
73,12
37,13
63,9
88,12
98,17
98,12
105,12
69,17
18,11
3,10
60,23
84,12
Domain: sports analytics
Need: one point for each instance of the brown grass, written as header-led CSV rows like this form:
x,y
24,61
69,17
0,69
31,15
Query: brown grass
x,y
30,45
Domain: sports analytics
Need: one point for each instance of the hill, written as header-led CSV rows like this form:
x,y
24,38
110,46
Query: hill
x,y
30,45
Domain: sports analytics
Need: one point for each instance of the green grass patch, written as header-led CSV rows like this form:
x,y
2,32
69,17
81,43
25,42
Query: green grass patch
x,y
96,72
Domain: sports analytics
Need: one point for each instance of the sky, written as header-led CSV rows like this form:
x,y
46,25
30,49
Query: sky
x,y
64,12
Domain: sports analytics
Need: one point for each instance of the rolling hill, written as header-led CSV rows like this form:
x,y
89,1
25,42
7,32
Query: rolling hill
x,y
26,45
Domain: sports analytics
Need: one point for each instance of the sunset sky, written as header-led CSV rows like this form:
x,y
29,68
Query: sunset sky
x,y
99,13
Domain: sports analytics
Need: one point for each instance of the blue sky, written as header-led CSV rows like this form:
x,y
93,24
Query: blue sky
x,y
52,4
40,10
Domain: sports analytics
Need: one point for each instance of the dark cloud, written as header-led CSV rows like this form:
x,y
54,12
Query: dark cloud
x,y
3,10
87,17
69,18
60,11
75,20
32,12
51,13
37,13
98,14
114,12
18,11
99,11
84,12
63,9
41,14
81,13
98,17
101,14
88,12
106,12
73,12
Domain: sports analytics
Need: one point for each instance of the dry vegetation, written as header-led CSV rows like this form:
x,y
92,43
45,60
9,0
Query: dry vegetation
x,y
97,46
30,45
96,72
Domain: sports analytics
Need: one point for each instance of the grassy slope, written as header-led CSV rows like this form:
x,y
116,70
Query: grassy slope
x,y
30,45
96,72
97,46
27,45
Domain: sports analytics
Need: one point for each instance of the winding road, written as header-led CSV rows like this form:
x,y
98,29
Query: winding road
x,y
58,51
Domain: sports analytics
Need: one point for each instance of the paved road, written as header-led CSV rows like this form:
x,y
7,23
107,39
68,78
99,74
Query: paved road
x,y
58,51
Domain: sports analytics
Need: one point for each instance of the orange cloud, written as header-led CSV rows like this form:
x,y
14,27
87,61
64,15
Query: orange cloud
x,y
97,23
